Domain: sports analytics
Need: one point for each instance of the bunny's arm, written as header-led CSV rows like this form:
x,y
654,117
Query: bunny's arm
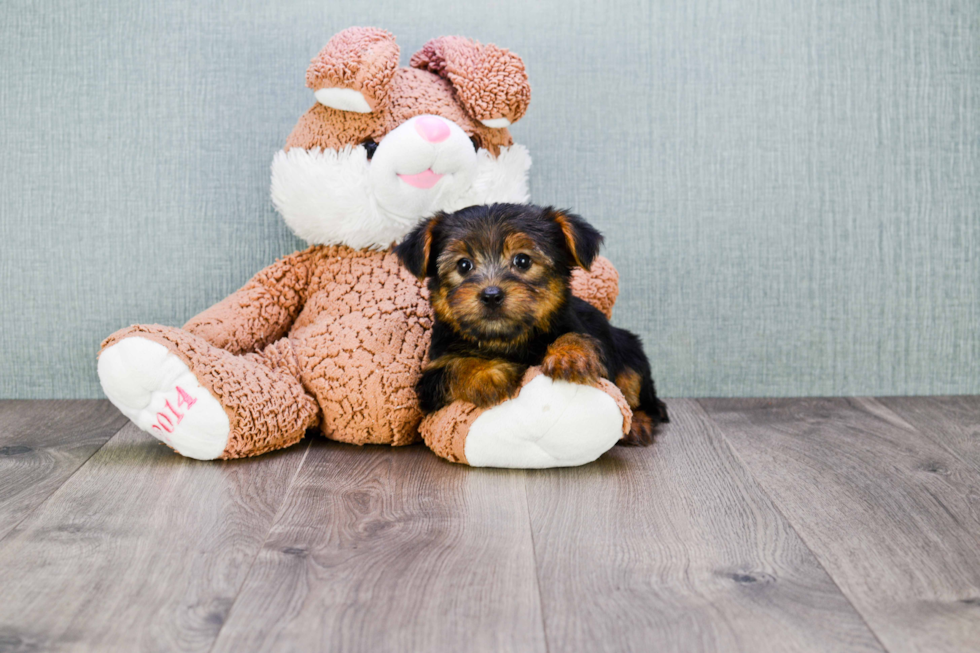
x,y
263,310
599,285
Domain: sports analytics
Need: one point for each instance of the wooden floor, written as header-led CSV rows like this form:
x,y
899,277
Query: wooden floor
x,y
752,525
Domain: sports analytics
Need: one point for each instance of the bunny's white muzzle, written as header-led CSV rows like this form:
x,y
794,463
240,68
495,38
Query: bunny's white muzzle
x,y
427,164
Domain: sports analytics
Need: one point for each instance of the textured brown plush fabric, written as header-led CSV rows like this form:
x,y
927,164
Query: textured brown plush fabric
x,y
360,58
489,81
599,286
263,310
610,388
445,431
360,333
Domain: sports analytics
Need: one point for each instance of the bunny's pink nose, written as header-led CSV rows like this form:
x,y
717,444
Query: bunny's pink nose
x,y
432,129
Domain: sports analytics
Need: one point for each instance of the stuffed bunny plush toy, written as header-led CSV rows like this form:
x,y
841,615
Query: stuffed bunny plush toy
x,y
334,337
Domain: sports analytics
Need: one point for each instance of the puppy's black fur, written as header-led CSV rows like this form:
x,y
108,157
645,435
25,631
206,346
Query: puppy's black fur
x,y
499,282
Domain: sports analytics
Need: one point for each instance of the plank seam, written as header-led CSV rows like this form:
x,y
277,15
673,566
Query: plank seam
x,y
534,557
775,504
29,513
939,442
258,550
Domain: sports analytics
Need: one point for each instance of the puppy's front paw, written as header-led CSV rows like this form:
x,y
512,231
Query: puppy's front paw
x,y
484,382
484,395
574,358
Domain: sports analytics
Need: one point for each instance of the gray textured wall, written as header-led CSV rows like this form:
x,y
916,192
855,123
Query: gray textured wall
x,y
790,190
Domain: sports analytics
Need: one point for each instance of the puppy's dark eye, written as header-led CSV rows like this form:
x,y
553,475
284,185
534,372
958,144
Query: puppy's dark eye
x,y
370,146
522,261
463,266
476,143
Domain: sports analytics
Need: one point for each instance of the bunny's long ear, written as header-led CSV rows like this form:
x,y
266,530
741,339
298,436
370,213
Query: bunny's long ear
x,y
353,71
490,82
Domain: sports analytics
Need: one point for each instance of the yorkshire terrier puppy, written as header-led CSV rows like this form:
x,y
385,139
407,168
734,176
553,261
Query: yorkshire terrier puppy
x,y
499,282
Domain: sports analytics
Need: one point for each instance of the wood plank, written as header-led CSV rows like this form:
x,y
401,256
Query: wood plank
x,y
139,550
676,548
950,422
393,549
42,443
892,516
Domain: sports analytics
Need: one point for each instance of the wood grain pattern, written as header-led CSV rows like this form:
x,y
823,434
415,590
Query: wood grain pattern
x,y
139,550
951,422
751,525
42,443
675,548
382,549
892,516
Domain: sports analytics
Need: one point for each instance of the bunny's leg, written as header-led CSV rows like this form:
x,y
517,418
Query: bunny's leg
x,y
203,401
547,424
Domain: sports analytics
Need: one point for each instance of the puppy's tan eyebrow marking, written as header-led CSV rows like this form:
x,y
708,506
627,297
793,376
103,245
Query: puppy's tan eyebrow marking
x,y
452,253
454,249
518,241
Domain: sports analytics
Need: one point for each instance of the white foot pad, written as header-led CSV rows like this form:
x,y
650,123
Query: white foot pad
x,y
549,424
156,390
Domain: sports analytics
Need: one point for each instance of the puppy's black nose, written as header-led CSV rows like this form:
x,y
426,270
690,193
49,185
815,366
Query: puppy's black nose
x,y
492,296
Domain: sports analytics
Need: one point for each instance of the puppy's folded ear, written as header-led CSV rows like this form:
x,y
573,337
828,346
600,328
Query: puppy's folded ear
x,y
417,252
582,240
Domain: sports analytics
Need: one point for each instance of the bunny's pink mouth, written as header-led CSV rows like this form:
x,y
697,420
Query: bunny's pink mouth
x,y
424,179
